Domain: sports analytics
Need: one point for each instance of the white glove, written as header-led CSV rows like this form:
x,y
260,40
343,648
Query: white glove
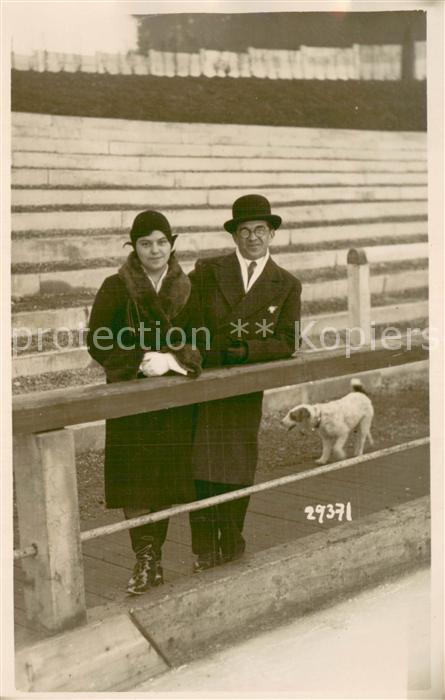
x,y
174,364
154,364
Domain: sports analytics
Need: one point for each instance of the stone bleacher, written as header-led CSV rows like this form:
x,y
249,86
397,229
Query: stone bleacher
x,y
78,183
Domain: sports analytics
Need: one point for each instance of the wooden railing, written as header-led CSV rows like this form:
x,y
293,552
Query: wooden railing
x,y
44,456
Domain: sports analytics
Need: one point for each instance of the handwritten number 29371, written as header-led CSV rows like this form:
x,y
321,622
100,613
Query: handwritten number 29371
x,y
341,511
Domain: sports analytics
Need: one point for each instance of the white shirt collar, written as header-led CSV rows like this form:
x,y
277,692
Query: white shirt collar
x,y
244,265
157,285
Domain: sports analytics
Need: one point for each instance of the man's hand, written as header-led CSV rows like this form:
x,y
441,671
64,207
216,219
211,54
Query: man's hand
x,y
236,353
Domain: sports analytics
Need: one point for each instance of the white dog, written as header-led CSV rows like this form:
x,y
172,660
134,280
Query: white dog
x,y
335,421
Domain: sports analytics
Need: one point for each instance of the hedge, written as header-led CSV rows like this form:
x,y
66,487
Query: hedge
x,y
380,105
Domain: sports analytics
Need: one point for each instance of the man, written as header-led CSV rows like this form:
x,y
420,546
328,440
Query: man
x,y
251,307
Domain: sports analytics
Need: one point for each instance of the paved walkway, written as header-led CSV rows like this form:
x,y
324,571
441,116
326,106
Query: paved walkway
x,y
375,645
274,517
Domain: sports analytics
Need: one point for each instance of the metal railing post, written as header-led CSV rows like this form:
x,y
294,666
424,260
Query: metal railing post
x,y
48,514
359,297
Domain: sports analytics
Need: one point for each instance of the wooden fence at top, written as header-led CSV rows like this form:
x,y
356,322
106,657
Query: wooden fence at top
x,y
358,62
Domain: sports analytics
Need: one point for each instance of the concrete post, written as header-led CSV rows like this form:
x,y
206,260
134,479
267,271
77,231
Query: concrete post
x,y
408,55
53,63
182,64
156,59
257,64
420,60
139,63
359,297
169,64
48,513
195,65
125,67
355,69
296,64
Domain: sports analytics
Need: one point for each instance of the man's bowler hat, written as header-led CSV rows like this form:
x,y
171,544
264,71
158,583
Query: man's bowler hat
x,y
251,207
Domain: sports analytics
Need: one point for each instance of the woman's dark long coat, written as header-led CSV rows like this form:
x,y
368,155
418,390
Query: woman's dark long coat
x,y
147,456
226,431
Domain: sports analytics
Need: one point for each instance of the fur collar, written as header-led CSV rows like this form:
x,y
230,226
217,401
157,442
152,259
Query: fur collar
x,y
170,300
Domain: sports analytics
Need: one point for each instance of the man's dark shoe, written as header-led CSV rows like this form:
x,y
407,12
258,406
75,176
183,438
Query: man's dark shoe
x,y
147,572
225,558
204,563
158,577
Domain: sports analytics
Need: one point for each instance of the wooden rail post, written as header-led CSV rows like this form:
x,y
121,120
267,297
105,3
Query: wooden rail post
x,y
48,514
359,297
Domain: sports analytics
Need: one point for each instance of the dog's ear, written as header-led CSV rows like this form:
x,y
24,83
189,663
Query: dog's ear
x,y
299,414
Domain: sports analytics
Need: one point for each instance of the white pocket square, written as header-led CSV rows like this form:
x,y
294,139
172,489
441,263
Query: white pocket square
x,y
271,309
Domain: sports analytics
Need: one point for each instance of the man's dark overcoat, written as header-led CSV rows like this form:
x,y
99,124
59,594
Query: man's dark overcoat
x,y
226,431
148,455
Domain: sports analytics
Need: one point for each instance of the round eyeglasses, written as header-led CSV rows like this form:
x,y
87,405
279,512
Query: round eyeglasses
x,y
258,231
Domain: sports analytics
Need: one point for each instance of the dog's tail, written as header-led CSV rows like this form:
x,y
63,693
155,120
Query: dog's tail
x,y
356,385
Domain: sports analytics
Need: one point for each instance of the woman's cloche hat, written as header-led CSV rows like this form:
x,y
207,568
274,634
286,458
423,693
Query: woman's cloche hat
x,y
251,207
148,221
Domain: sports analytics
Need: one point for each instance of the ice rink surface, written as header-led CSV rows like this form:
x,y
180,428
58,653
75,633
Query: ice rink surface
x,y
374,645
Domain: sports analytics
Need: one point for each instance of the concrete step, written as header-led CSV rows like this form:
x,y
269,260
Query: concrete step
x,y
42,248
31,364
295,261
29,159
43,125
207,197
51,144
91,278
379,284
44,177
30,323
54,361
213,218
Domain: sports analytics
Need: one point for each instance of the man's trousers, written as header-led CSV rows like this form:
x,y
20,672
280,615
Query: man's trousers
x,y
217,531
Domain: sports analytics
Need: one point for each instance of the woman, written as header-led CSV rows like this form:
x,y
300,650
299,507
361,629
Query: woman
x,y
147,456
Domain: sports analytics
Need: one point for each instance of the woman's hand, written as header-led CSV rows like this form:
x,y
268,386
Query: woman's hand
x,y
154,364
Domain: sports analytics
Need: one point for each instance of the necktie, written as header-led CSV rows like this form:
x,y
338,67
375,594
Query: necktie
x,y
250,271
